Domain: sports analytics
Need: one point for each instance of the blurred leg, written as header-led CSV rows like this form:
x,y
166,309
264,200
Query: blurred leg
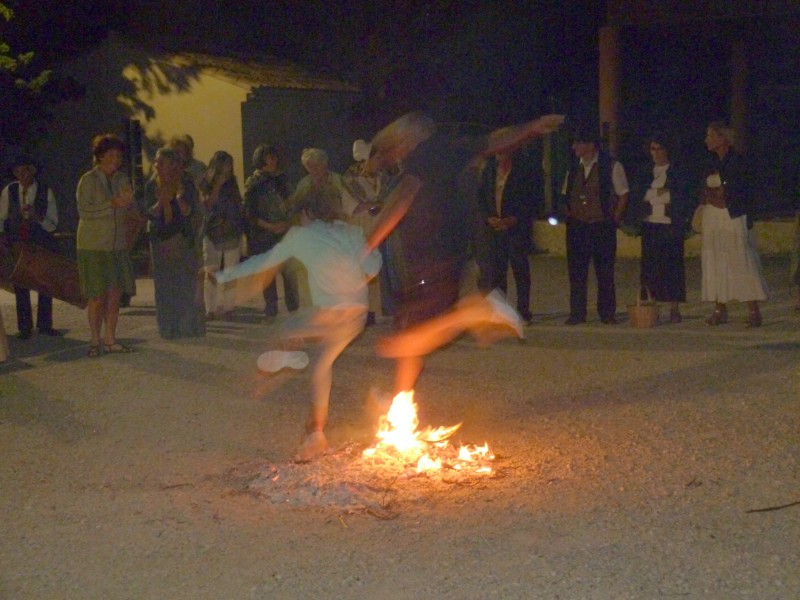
x,y
95,311
111,315
407,371
212,259
230,258
44,313
291,289
24,309
604,259
578,266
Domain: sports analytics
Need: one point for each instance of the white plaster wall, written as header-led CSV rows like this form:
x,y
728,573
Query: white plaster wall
x,y
209,110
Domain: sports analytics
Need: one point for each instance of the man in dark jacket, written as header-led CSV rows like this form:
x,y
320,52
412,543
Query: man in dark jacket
x,y
506,201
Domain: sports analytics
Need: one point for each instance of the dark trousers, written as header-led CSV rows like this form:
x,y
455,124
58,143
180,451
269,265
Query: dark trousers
x,y
587,243
501,250
44,312
291,293
663,270
290,285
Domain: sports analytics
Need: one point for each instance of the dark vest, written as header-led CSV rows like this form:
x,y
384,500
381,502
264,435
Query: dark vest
x,y
598,188
31,230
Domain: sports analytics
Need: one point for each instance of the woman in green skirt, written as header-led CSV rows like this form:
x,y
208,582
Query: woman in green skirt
x,y
104,196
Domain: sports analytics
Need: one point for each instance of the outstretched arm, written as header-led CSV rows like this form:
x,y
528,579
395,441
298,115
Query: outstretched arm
x,y
510,138
394,209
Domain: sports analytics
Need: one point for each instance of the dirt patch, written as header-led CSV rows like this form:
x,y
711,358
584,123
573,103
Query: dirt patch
x,y
627,463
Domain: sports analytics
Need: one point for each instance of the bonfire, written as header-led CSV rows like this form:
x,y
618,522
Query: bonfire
x,y
403,465
399,439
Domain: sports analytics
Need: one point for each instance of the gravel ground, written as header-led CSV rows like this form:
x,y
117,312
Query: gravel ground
x,y
628,463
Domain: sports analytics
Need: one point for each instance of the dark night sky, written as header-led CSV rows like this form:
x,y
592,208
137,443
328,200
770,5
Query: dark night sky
x,y
486,62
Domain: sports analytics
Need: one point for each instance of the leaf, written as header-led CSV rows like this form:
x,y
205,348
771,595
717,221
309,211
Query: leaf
x,y
25,59
7,13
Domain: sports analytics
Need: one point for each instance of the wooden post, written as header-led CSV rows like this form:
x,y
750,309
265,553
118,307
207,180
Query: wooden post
x,y
609,84
547,172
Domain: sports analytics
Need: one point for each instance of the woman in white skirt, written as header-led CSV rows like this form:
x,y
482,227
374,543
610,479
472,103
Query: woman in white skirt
x,y
730,264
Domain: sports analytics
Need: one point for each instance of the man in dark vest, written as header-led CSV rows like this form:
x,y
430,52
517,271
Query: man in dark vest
x,y
594,195
28,213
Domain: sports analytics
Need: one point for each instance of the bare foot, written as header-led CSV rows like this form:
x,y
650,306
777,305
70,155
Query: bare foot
x,y
377,405
314,446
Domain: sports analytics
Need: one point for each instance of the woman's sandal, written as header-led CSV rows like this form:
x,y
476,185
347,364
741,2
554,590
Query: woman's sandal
x,y
754,319
117,348
718,317
94,351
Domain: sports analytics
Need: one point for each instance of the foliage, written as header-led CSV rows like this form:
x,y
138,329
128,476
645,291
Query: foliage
x,y
14,65
20,91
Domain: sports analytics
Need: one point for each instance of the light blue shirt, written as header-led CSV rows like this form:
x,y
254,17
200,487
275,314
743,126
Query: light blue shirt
x,y
334,256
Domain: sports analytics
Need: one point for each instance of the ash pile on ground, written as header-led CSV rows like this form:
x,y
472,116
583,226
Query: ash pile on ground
x,y
350,482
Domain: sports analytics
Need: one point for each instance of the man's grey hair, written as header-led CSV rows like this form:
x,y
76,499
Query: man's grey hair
x,y
313,155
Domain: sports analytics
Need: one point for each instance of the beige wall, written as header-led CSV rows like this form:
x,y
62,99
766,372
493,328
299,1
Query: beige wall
x,y
210,110
772,237
123,81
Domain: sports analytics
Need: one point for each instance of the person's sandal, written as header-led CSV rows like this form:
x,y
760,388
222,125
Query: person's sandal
x,y
718,317
94,351
117,348
754,319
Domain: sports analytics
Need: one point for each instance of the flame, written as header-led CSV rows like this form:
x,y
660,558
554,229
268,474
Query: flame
x,y
398,435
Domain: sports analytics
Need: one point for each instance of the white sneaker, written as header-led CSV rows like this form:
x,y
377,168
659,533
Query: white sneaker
x,y
275,360
503,313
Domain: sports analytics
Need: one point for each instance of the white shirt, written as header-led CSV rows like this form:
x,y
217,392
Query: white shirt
x,y
658,197
333,254
618,178
26,198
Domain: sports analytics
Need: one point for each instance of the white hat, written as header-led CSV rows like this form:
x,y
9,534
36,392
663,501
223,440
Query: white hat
x,y
361,150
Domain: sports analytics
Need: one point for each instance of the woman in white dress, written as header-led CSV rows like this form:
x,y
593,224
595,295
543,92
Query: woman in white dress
x,y
730,264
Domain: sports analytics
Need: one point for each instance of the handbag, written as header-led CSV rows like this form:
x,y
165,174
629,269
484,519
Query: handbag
x,y
643,314
697,219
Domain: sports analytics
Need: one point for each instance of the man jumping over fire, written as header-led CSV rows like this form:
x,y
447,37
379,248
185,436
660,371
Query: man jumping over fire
x,y
430,218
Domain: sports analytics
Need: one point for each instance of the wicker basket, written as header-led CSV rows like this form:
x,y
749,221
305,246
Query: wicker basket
x,y
643,314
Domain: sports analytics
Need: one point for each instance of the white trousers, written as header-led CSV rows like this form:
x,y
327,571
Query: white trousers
x,y
215,301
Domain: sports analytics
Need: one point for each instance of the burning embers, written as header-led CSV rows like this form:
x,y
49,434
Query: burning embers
x,y
403,466
399,439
